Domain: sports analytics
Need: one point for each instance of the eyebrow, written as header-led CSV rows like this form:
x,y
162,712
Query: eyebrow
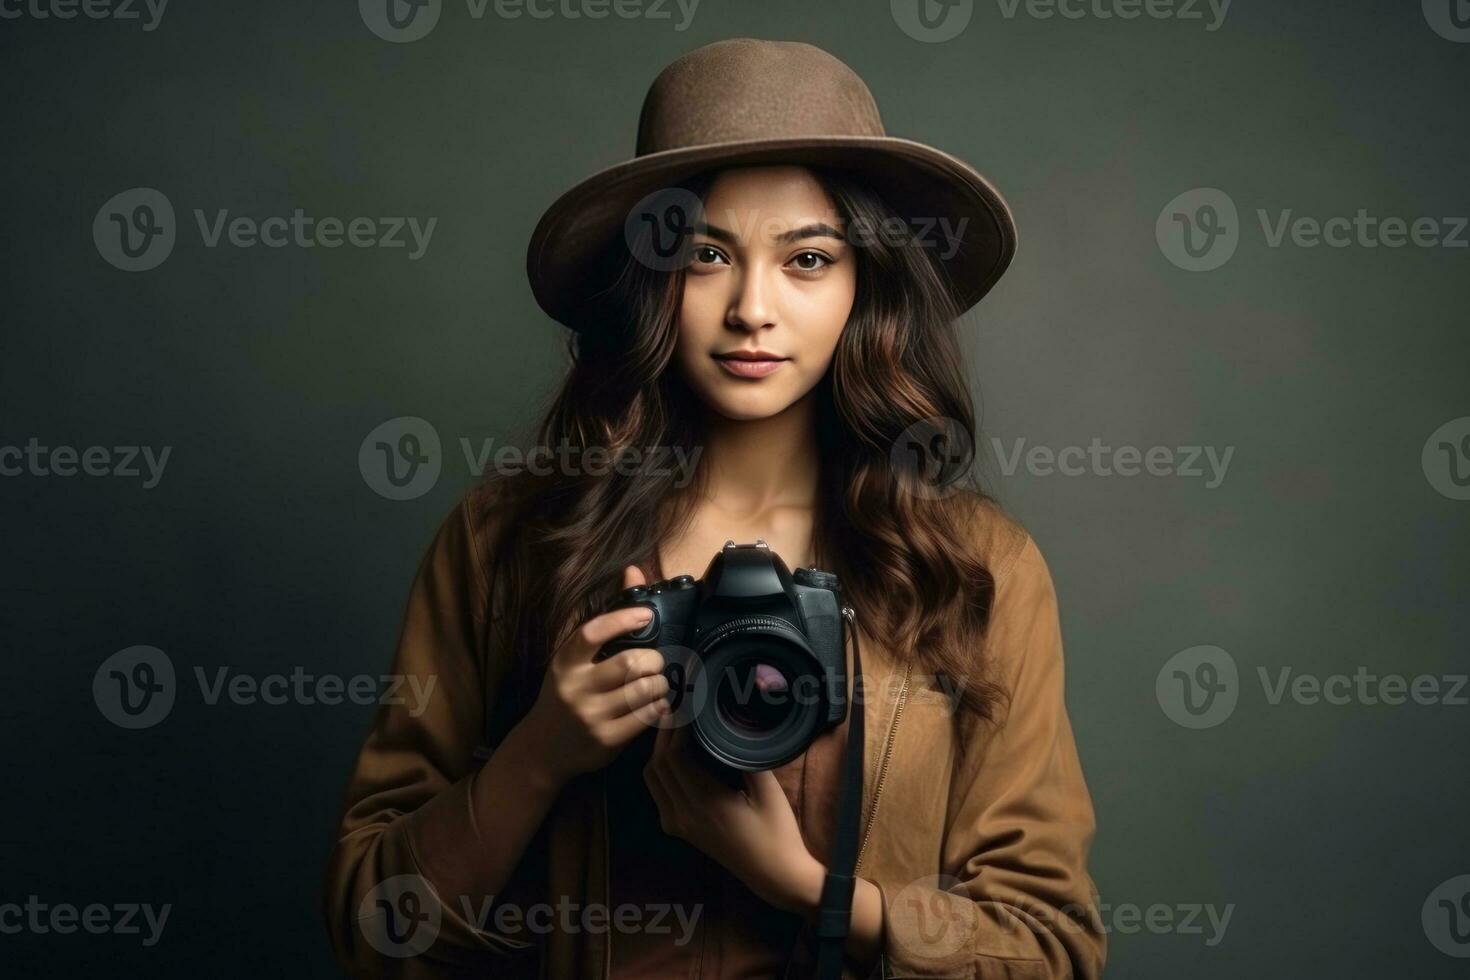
x,y
819,229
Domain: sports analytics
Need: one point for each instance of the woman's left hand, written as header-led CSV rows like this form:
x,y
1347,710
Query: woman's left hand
x,y
752,832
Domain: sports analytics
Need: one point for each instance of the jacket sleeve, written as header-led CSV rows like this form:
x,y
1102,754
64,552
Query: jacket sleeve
x,y
408,809
1017,901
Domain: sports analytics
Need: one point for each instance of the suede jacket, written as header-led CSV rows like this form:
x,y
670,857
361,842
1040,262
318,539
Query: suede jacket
x,y
976,833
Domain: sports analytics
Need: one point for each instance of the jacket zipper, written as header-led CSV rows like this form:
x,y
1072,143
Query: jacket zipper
x,y
903,692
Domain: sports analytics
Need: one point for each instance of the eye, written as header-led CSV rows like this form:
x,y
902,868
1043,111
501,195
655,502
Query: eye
x,y
810,262
707,255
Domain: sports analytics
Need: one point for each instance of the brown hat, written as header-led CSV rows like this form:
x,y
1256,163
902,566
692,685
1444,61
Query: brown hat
x,y
747,101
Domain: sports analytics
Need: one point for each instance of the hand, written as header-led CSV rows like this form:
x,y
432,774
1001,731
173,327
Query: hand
x,y
752,831
587,712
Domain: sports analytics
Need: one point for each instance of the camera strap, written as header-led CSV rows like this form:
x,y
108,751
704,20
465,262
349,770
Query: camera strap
x,y
834,914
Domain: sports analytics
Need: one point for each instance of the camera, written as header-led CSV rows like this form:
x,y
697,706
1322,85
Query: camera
x,y
754,653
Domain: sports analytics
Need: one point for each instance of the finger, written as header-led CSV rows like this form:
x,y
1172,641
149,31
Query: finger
x,y
625,728
661,742
597,631
633,575
631,696
625,668
667,769
763,788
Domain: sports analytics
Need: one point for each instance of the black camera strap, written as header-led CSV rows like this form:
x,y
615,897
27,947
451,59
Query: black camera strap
x,y
834,914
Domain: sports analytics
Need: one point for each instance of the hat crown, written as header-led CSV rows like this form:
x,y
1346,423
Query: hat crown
x,y
752,89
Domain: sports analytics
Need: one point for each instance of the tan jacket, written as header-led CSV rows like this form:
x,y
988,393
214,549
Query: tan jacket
x,y
981,860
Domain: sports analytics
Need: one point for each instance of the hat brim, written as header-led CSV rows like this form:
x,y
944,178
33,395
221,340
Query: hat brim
x,y
567,259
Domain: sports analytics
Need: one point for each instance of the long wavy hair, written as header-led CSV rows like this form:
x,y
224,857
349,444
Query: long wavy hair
x,y
896,527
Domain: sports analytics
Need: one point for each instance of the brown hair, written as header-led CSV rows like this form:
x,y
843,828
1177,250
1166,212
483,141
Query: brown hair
x,y
899,537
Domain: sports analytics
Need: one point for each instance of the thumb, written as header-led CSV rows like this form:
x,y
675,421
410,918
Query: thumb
x,y
762,788
633,575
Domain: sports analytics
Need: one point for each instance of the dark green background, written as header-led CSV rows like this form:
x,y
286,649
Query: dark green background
x,y
1325,549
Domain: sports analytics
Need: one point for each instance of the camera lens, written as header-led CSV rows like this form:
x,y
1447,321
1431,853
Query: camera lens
x,y
754,697
759,686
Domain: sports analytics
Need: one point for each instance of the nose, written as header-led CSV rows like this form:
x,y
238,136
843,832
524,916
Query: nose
x,y
751,306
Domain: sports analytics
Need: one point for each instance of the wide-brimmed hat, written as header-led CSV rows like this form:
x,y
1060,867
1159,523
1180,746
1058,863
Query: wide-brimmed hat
x,y
746,101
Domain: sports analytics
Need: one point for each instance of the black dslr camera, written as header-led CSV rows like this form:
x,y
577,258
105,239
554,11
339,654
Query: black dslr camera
x,y
754,654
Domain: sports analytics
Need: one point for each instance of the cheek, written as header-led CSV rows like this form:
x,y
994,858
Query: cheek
x,y
824,316
697,332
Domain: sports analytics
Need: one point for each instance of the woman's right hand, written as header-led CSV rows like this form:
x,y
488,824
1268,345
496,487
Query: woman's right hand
x,y
587,711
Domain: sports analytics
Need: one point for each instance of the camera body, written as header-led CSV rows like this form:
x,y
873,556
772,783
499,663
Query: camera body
x,y
754,654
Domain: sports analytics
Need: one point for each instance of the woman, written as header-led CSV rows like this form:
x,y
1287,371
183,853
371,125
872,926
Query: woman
x,y
542,817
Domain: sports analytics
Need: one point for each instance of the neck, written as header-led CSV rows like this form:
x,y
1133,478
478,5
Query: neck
x,y
754,465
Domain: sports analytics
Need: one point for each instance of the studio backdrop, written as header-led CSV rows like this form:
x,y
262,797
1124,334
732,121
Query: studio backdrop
x,y
266,319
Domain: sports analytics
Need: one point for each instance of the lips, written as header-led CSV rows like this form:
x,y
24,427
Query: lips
x,y
750,364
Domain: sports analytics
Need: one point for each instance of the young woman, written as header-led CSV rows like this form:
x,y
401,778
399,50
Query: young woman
x,y
796,361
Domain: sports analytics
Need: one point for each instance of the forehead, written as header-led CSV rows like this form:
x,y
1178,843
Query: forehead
x,y
777,196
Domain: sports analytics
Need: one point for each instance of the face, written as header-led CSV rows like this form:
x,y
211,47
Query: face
x,y
767,294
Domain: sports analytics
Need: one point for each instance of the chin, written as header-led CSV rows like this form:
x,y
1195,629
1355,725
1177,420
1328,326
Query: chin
x,y
743,402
